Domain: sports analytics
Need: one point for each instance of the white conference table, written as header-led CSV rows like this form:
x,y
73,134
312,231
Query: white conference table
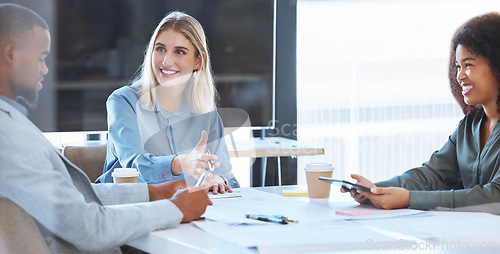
x,y
425,232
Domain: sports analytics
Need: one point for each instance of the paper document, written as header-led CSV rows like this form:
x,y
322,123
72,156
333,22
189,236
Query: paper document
x,y
233,210
251,201
234,194
441,225
295,238
319,228
371,213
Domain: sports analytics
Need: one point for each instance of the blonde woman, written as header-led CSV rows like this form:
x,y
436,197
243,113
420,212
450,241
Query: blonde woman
x,y
164,123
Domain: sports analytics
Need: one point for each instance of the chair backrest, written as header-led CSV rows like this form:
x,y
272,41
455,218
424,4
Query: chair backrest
x,y
18,231
90,159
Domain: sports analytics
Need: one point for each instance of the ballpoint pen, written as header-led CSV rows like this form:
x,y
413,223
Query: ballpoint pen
x,y
285,218
210,163
270,218
266,218
203,176
201,180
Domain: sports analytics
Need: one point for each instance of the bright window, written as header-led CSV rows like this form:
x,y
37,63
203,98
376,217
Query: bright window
x,y
372,85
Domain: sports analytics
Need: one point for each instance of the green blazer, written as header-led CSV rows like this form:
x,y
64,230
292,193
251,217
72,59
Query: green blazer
x,y
458,174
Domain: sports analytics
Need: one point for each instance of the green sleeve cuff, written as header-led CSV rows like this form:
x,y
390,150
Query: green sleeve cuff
x,y
426,200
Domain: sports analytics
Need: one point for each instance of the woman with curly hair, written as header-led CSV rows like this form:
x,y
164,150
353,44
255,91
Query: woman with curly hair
x,y
464,174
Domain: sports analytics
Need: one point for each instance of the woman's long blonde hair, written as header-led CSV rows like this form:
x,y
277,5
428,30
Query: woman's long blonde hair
x,y
201,89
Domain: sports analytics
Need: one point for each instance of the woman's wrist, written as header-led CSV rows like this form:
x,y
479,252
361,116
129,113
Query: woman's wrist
x,y
223,179
175,166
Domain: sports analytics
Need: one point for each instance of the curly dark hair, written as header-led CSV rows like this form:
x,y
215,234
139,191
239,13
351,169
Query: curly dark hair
x,y
481,36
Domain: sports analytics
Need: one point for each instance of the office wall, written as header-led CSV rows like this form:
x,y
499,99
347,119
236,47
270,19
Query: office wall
x,y
286,113
286,93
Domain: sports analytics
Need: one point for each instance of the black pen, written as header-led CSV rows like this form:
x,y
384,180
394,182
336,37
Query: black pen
x,y
266,218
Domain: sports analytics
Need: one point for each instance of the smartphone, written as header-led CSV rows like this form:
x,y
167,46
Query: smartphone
x,y
345,184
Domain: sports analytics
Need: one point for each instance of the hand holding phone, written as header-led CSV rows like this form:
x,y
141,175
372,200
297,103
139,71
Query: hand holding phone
x,y
345,184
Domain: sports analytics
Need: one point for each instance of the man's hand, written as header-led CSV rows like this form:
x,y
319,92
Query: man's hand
x,y
359,197
192,202
165,190
388,198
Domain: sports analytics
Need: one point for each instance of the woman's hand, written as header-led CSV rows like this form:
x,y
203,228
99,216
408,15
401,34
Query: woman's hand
x,y
195,162
216,184
388,198
359,197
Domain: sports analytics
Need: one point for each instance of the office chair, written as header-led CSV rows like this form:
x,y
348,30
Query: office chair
x,y
90,159
18,231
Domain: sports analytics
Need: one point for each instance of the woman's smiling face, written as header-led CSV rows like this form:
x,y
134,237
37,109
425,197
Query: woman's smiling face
x,y
174,58
474,74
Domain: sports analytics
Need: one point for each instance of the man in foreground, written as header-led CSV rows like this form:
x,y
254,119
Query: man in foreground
x,y
72,214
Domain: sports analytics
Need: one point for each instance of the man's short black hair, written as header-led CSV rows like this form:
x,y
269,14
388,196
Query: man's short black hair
x,y
16,20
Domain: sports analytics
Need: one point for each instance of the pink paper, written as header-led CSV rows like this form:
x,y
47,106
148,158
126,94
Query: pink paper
x,y
353,212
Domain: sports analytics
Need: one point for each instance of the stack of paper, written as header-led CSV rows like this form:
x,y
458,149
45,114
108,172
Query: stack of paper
x,y
319,227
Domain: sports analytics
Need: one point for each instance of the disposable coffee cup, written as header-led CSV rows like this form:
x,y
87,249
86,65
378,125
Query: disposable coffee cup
x,y
318,191
125,175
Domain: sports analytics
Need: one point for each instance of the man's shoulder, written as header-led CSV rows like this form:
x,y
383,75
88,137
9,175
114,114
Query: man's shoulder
x,y
9,113
19,132
5,108
4,111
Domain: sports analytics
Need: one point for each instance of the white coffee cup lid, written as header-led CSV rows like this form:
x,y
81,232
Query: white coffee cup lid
x,y
318,166
125,172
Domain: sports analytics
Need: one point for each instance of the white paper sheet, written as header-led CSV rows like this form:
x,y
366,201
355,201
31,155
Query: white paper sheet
x,y
295,238
384,214
234,194
441,225
232,211
320,229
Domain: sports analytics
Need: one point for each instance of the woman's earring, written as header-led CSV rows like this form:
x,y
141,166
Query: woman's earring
x,y
194,74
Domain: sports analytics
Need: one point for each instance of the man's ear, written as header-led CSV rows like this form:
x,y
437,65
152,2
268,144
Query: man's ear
x,y
8,52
